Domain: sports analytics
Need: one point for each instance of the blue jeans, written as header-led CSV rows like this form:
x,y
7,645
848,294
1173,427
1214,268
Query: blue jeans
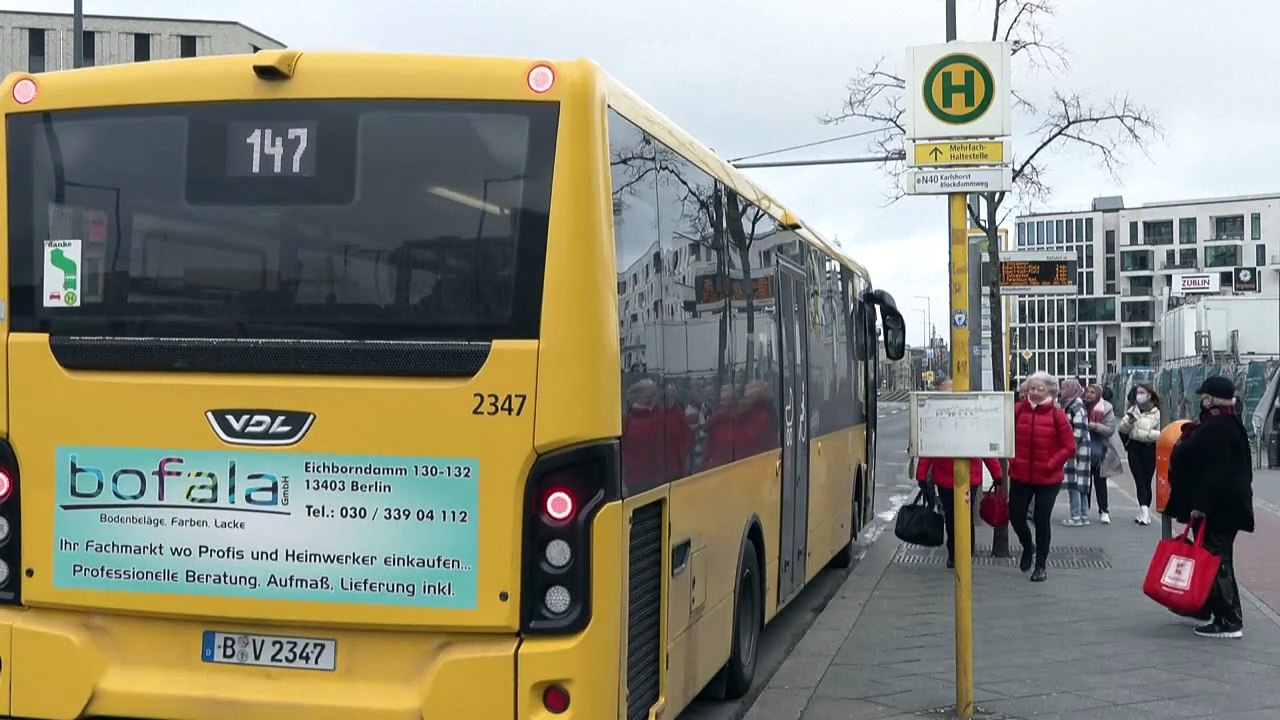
x,y
1079,502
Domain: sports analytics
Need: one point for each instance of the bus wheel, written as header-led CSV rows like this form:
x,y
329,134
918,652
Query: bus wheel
x,y
748,621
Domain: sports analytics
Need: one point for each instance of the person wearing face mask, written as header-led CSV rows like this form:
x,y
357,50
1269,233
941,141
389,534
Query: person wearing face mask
x,y
1043,443
1141,425
1211,487
1105,451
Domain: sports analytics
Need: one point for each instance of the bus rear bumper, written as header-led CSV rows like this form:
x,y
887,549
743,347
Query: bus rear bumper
x,y
62,665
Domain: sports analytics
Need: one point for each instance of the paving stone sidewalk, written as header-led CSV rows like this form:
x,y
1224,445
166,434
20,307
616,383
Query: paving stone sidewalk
x,y
1086,644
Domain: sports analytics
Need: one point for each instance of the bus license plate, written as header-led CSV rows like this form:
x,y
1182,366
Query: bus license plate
x,y
269,651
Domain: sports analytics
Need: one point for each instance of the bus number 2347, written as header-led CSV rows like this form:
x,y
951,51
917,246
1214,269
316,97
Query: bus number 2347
x,y
490,404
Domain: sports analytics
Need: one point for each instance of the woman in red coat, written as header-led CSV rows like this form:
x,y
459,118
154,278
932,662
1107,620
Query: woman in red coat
x,y
944,480
1043,442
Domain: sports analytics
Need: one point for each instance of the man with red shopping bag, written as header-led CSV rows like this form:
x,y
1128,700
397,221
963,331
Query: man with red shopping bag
x,y
1211,490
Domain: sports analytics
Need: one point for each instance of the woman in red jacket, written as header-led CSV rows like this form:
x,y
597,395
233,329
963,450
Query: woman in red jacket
x,y
944,480
1043,442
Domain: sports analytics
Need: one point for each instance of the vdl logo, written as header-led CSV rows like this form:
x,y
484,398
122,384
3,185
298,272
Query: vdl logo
x,y
958,89
260,427
169,483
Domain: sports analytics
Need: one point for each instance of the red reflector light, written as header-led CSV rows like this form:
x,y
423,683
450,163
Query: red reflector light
x,y
555,699
6,485
24,91
541,78
559,505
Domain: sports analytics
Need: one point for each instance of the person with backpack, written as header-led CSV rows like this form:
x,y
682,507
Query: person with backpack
x,y
1043,443
1106,449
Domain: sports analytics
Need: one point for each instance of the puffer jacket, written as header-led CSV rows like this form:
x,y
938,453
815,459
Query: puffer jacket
x,y
1043,443
1145,429
944,471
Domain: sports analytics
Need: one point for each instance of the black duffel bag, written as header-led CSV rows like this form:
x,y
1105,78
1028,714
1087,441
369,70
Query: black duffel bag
x,y
922,522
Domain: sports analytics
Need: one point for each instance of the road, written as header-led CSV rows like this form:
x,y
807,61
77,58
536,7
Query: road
x,y
1258,553
893,489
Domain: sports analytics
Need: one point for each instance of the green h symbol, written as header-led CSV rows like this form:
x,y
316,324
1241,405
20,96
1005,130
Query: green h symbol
x,y
950,89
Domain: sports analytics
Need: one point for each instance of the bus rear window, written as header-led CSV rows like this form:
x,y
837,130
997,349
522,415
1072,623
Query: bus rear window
x,y
324,220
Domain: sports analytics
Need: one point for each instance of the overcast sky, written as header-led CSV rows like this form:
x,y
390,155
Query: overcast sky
x,y
748,76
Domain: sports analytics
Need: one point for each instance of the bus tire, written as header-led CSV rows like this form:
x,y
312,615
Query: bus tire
x,y
748,623
847,554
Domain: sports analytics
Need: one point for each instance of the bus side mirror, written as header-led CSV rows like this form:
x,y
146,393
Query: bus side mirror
x,y
895,328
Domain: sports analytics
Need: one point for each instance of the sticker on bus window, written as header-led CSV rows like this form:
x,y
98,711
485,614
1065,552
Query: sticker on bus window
x,y
355,529
62,272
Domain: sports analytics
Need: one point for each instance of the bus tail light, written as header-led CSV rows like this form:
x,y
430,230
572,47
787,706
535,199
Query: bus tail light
x,y
10,527
555,699
564,492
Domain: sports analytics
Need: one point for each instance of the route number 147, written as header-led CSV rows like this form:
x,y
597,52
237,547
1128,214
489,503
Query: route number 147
x,y
267,142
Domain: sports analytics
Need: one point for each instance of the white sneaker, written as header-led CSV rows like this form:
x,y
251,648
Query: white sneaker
x,y
1144,516
1105,518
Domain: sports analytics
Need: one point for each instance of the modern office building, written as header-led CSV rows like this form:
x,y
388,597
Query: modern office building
x,y
40,42
1135,264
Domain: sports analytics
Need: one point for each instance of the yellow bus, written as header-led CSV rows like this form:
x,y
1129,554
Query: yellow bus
x,y
386,387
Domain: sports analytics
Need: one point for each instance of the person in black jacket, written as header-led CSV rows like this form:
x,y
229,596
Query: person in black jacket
x,y
1211,484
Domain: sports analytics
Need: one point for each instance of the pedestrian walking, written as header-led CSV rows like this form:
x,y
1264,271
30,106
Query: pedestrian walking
x,y
1141,425
1043,443
1211,485
944,480
1077,474
1106,450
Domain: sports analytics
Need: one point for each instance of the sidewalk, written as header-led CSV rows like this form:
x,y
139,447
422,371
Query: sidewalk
x,y
1086,644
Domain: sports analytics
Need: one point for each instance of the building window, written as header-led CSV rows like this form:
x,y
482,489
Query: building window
x,y
1187,231
1169,258
1111,349
1158,233
1136,260
1111,239
1255,226
1187,258
35,50
1133,233
1022,234
1260,254
1080,230
141,47
1140,286
1230,227
1071,232
186,46
89,48
1088,257
1223,256
1061,235
1039,232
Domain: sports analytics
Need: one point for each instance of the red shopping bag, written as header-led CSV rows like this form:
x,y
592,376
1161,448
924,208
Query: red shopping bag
x,y
994,506
1181,573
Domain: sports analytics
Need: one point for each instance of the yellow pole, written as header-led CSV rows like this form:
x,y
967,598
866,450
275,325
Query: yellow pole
x,y
960,383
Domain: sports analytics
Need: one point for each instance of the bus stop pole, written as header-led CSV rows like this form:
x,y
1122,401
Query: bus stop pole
x,y
957,221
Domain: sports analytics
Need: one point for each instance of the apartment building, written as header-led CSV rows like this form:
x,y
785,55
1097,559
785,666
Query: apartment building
x,y
1136,263
41,42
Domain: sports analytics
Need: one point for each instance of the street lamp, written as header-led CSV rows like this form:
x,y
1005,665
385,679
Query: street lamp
x,y
928,303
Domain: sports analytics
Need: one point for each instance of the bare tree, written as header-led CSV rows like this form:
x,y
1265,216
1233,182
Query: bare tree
x,y
1069,119
1105,128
